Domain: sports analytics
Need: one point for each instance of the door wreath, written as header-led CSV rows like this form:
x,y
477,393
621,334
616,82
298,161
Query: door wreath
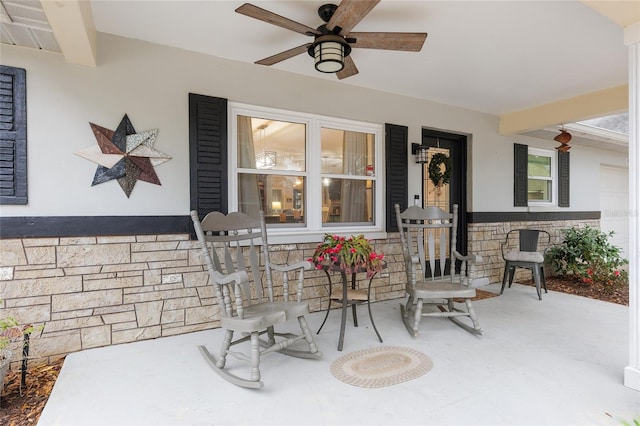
x,y
435,170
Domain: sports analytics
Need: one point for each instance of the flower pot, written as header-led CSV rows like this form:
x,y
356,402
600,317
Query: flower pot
x,y
5,361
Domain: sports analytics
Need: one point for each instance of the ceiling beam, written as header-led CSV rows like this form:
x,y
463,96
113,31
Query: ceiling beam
x,y
74,30
623,13
583,107
615,100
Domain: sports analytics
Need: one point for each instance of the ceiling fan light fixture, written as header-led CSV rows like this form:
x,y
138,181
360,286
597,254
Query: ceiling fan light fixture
x,y
329,52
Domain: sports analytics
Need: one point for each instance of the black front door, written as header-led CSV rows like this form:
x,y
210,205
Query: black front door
x,y
455,192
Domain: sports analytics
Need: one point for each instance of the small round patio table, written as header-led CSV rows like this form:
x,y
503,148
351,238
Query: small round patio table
x,y
350,296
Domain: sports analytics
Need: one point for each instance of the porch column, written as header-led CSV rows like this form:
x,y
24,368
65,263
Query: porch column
x,y
632,371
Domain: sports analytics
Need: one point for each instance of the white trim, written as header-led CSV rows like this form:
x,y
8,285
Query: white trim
x,y
632,371
612,136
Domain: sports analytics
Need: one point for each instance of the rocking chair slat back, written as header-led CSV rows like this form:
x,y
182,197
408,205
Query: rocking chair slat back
x,y
237,236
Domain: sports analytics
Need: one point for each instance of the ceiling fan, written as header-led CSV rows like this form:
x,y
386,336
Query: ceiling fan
x,y
333,41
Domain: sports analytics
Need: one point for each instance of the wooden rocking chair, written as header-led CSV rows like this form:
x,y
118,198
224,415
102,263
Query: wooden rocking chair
x,y
425,286
240,291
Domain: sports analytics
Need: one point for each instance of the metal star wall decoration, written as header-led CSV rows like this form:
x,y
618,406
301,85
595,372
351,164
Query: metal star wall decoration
x,y
124,155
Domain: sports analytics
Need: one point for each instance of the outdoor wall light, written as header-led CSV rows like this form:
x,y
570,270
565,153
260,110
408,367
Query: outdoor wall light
x,y
420,151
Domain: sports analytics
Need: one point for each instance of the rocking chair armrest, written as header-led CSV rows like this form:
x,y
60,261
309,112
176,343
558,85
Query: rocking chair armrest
x,y
298,268
473,258
240,280
305,264
236,277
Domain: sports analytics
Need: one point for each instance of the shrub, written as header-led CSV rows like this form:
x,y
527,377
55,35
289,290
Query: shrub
x,y
587,255
10,331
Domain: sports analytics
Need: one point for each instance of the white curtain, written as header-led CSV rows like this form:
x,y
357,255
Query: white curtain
x,y
353,192
248,190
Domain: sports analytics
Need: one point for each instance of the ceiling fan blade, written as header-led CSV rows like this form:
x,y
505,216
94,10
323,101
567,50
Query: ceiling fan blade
x,y
348,70
275,19
279,57
349,13
411,42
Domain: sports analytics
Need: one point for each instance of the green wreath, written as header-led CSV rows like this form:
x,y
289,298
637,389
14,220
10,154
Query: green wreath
x,y
435,175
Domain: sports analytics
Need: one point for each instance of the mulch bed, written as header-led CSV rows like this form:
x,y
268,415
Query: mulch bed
x,y
23,407
619,295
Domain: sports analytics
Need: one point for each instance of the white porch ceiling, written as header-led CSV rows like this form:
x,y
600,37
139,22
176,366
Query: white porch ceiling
x,y
497,57
24,23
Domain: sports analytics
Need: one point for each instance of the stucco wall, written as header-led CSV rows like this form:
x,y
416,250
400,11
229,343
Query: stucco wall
x,y
151,84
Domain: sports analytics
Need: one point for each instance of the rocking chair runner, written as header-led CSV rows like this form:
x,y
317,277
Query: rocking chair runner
x,y
424,285
239,290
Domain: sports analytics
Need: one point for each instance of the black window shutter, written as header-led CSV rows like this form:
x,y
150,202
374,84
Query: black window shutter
x,y
208,153
396,142
13,135
563,179
520,175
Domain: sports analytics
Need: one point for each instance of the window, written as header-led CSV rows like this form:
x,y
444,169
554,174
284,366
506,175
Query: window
x,y
541,177
541,173
304,171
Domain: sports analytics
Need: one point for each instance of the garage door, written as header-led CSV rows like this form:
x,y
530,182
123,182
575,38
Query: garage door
x,y
614,204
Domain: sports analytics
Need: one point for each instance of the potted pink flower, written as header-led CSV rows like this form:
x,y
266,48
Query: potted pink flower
x,y
349,254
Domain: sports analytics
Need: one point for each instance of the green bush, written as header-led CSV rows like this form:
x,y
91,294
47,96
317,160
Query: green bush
x,y
587,255
11,331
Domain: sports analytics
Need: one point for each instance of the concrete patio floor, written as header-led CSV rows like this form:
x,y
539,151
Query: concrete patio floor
x,y
558,361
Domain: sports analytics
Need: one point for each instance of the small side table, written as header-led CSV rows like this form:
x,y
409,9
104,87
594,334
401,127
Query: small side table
x,y
350,296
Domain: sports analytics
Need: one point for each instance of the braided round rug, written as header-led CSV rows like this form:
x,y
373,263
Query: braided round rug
x,y
381,366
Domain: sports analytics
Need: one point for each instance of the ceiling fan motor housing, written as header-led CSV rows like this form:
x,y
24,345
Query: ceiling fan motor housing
x,y
326,11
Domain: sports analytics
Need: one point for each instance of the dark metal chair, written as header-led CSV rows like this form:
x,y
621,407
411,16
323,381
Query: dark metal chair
x,y
524,248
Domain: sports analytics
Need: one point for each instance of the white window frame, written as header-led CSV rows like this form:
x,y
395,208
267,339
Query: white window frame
x,y
313,229
554,176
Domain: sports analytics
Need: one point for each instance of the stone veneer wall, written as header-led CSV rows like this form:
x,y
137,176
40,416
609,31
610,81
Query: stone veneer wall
x,y
485,239
97,291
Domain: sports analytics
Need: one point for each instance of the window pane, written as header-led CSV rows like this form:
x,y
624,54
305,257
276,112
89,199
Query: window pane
x,y
539,190
539,165
271,144
347,200
348,153
281,197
